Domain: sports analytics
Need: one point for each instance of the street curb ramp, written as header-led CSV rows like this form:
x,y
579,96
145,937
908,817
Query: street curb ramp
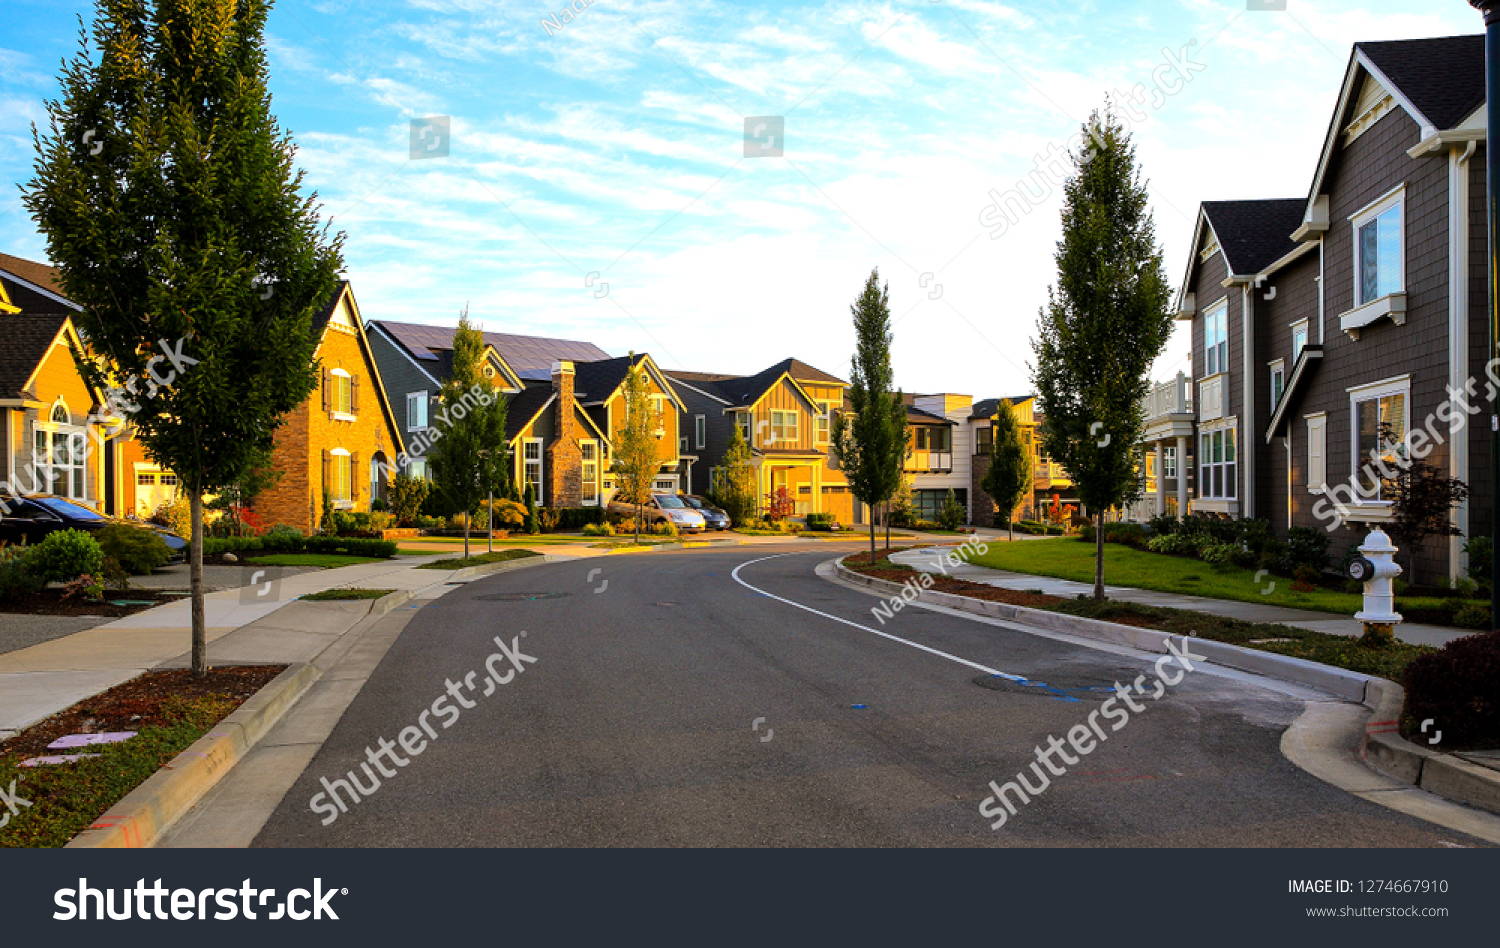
x,y
1446,775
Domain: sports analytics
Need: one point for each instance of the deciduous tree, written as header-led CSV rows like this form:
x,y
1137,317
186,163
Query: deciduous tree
x,y
865,438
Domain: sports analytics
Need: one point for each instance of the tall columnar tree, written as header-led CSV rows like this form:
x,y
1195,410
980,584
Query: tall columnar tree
x,y
174,214
866,440
1009,477
470,427
1105,322
637,455
734,486
901,449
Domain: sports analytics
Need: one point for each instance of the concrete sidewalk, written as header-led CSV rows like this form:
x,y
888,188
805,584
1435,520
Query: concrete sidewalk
x,y
261,623
1415,633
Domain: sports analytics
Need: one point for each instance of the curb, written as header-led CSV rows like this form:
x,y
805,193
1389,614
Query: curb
x,y
137,820
1385,750
1336,681
484,569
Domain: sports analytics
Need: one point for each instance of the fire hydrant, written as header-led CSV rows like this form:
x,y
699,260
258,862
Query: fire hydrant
x,y
1377,569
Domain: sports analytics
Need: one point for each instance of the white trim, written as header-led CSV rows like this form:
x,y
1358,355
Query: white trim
x,y
1306,332
1391,200
41,290
541,468
405,354
700,432
1396,385
424,399
1383,387
700,391
1317,433
1277,367
1458,337
1391,305
1216,366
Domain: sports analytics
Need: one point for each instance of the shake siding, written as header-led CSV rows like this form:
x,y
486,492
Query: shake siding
x,y
399,375
1296,298
1481,487
1208,290
1361,173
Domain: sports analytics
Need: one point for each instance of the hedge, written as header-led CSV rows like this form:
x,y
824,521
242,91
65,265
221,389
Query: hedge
x,y
288,543
1458,686
576,518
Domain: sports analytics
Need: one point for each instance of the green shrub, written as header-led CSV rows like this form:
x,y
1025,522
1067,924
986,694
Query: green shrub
x,y
1459,687
576,518
65,555
351,546
1127,534
1306,546
1480,551
1307,573
17,581
598,530
1161,525
138,551
952,516
1218,552
1472,615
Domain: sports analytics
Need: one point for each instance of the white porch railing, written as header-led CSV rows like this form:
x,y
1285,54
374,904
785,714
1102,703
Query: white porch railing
x,y
1169,398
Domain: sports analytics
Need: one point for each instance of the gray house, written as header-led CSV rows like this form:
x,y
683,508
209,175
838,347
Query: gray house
x,y
1318,319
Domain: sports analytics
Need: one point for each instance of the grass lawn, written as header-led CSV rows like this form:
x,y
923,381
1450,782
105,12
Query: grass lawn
x,y
324,560
340,595
1070,558
458,562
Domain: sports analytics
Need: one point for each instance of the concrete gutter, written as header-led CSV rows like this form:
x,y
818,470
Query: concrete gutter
x,y
143,815
1382,748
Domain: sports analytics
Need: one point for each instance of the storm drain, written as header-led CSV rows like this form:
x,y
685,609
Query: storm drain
x,y
522,597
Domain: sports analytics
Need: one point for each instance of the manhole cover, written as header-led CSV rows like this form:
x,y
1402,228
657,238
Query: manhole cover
x,y
521,597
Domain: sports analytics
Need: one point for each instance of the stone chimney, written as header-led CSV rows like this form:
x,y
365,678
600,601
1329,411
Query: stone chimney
x,y
564,457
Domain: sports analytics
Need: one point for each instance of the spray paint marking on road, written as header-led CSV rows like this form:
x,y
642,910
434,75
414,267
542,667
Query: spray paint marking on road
x,y
865,628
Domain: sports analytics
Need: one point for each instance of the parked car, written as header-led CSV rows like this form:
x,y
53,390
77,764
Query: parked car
x,y
717,519
664,508
29,519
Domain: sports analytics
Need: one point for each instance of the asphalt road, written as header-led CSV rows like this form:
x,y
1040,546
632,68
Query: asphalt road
x,y
670,705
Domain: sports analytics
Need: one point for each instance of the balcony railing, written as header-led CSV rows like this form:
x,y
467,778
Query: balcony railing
x,y
929,461
1169,398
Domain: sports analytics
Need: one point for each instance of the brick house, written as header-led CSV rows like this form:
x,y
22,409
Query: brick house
x,y
1317,319
344,438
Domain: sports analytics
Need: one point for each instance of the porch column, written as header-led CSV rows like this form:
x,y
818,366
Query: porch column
x,y
1182,476
1161,479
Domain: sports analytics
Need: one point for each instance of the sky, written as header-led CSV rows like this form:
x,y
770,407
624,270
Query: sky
x,y
601,181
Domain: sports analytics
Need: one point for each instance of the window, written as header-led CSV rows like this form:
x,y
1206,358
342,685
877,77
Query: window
x,y
531,474
682,445
416,411
982,439
1278,382
1168,461
1317,450
145,480
742,422
59,455
340,481
590,454
783,426
340,392
1378,254
1299,339
658,411
825,413
1216,338
670,485
932,439
168,480
1379,416
1216,465
928,504
700,431
416,468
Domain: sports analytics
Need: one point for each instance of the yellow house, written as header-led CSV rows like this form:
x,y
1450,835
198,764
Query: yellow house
x,y
599,388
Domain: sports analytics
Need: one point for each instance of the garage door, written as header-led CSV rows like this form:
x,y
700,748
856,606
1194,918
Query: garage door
x,y
839,502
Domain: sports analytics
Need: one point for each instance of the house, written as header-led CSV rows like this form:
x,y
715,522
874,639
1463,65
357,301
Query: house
x,y
341,442
50,445
599,387
1318,319
940,458
1048,477
785,413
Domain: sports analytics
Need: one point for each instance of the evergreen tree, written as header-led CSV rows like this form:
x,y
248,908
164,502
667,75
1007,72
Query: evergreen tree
x,y
1009,477
901,449
175,217
735,484
470,436
865,441
637,453
1105,322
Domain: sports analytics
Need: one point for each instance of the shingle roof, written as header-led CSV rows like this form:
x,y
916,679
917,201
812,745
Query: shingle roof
x,y
530,356
524,406
803,372
40,274
988,407
1442,77
1255,234
27,335
597,380
917,416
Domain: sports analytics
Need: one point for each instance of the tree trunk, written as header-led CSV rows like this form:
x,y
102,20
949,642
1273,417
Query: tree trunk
x,y
466,535
1099,558
1010,525
637,524
489,518
872,534
195,581
887,519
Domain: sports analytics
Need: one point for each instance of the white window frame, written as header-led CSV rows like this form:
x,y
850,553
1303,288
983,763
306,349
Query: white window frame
x,y
343,385
1299,328
664,484
416,467
1393,199
682,445
588,451
1278,375
418,399
340,461
1216,338
528,464
50,439
1317,452
1374,391
1169,460
1228,478
824,421
700,431
782,429
742,422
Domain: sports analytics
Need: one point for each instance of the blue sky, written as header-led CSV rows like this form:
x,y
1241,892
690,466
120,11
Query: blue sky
x,y
616,145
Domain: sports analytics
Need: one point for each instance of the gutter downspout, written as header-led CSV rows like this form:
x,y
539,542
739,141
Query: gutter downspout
x,y
1246,455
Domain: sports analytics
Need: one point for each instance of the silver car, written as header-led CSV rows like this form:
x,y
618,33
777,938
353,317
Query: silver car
x,y
664,508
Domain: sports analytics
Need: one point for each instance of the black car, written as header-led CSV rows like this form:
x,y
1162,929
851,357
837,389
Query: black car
x,y
29,519
715,518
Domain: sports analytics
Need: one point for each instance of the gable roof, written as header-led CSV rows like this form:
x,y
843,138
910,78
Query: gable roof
x,y
525,406
596,382
917,416
39,274
320,323
36,283
1255,234
530,357
988,407
1442,77
28,334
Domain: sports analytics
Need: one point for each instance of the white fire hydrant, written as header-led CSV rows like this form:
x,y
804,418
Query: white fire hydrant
x,y
1377,569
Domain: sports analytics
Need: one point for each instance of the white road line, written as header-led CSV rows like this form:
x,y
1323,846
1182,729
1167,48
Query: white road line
x,y
864,628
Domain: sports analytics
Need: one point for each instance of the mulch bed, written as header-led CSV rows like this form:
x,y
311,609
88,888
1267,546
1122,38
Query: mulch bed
x,y
50,602
138,703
